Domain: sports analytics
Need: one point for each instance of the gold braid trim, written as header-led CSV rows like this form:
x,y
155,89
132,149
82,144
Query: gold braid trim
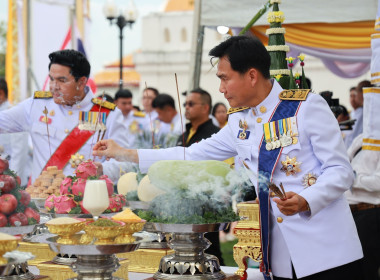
x,y
238,109
371,148
294,94
42,94
371,141
371,90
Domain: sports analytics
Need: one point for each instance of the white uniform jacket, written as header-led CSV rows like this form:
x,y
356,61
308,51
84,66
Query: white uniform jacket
x,y
313,241
26,116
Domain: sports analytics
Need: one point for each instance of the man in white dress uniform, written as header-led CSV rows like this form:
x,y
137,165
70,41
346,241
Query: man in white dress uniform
x,y
312,234
62,122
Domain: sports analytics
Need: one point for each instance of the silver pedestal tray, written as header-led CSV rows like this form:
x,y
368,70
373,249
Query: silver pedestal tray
x,y
189,260
15,271
93,261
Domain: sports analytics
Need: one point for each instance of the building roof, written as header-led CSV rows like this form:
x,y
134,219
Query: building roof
x,y
179,5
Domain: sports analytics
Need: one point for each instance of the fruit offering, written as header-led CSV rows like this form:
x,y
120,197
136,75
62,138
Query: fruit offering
x,y
16,209
70,199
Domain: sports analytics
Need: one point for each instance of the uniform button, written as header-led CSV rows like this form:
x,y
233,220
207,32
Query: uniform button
x,y
263,109
279,220
67,131
70,113
259,120
272,194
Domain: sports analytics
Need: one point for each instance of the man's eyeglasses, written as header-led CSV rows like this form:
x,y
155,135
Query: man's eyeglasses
x,y
190,104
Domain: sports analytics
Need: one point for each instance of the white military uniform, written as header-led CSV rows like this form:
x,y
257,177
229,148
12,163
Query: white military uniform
x,y
27,116
135,123
313,241
16,146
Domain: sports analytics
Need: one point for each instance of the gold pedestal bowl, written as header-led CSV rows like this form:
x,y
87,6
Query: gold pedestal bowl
x,y
129,229
104,234
66,232
7,246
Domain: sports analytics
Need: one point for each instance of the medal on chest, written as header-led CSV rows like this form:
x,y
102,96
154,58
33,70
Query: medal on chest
x,y
243,132
290,166
92,121
309,180
281,133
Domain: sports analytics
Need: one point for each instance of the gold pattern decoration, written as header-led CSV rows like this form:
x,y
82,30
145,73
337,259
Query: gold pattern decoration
x,y
42,94
41,251
294,94
52,113
290,166
248,233
238,109
103,103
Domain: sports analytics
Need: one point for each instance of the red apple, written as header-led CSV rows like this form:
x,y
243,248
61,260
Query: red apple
x,y
18,179
25,198
18,219
8,203
9,183
31,213
4,165
3,220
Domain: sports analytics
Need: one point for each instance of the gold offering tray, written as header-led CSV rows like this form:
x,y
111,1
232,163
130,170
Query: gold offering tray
x,y
189,228
89,249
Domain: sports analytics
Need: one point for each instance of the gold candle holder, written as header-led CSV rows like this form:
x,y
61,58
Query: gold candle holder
x,y
248,233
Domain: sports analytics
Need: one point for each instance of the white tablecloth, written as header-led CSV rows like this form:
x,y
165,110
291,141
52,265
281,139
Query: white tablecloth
x,y
253,274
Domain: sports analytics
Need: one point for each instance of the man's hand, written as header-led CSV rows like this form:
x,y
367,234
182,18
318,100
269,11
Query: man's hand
x,y
110,149
292,205
99,168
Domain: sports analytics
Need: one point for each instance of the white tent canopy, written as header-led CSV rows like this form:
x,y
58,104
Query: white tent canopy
x,y
234,13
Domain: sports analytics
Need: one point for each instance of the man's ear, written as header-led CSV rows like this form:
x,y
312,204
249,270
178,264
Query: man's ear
x,y
82,82
252,74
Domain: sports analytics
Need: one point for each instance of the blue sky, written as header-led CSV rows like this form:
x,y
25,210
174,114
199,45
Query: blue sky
x,y
104,38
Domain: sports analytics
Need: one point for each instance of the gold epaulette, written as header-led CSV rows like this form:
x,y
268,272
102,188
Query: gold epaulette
x,y
139,114
103,103
238,109
294,94
42,94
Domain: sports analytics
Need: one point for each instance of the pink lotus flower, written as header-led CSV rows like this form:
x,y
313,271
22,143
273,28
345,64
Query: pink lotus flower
x,y
78,187
65,185
109,184
86,169
63,204
49,202
84,210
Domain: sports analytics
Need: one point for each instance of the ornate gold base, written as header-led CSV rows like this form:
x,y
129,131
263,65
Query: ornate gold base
x,y
145,260
41,252
63,272
228,277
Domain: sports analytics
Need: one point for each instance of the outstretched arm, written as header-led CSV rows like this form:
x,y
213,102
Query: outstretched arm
x,y
110,149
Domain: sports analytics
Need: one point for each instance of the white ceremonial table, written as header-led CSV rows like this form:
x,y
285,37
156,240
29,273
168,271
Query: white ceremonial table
x,y
253,273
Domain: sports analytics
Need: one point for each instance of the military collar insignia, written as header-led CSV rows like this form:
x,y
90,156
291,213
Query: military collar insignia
x,y
42,95
294,94
290,166
103,103
235,110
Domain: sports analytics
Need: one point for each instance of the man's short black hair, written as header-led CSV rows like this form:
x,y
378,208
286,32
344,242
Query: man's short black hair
x,y
205,96
77,61
123,93
244,53
4,86
155,91
163,100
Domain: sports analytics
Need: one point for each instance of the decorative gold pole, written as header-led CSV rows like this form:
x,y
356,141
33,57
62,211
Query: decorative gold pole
x,y
248,233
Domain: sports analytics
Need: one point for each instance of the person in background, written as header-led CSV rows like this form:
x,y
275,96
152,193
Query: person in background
x,y
148,95
136,108
15,145
107,97
219,111
171,126
358,112
353,102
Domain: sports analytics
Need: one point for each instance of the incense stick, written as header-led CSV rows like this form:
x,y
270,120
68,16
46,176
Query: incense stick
x,y
45,111
96,124
150,118
180,114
